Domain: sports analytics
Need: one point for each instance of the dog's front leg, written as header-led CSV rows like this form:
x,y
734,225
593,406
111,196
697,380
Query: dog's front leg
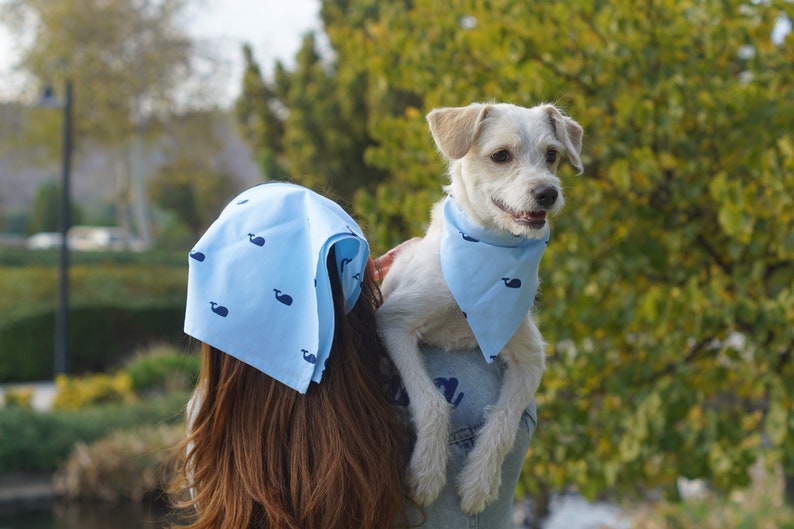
x,y
479,481
430,411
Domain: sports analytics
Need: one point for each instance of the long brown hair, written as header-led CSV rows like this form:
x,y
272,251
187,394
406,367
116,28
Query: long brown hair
x,y
260,455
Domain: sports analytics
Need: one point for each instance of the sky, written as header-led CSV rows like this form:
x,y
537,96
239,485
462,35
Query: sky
x,y
274,28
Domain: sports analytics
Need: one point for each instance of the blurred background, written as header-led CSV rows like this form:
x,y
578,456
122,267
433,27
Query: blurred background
x,y
667,294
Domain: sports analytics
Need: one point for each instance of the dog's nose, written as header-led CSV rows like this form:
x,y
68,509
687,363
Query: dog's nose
x,y
545,196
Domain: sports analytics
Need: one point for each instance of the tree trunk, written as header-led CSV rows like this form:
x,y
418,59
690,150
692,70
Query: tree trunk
x,y
788,489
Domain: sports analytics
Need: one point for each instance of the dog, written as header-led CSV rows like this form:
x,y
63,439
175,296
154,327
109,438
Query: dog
x,y
503,161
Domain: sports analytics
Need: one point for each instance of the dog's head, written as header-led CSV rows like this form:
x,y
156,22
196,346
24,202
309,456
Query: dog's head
x,y
503,162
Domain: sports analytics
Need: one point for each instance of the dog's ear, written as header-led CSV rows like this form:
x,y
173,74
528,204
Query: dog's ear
x,y
454,129
569,133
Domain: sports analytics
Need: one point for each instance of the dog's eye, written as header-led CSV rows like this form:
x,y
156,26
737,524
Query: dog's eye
x,y
551,156
501,156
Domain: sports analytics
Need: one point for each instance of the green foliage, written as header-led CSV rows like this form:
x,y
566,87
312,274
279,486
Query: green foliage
x,y
194,183
21,257
113,310
668,288
32,441
195,195
162,368
309,125
45,210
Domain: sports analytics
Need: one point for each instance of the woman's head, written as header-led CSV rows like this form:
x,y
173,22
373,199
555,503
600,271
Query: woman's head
x,y
261,274
262,454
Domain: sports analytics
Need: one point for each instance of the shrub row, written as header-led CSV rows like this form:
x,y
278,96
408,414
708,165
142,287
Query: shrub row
x,y
23,257
32,441
150,390
100,338
113,309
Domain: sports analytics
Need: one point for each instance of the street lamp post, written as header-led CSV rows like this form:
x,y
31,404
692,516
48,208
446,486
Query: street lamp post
x,y
62,316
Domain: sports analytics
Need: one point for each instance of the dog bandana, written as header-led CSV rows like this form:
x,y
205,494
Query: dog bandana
x,y
258,284
493,277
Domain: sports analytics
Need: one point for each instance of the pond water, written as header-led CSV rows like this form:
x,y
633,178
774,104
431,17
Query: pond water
x,y
89,516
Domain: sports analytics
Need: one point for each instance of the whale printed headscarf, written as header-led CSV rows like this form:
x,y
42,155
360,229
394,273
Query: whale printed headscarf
x,y
258,284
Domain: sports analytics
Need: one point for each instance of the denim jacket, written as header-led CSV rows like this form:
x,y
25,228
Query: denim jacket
x,y
470,385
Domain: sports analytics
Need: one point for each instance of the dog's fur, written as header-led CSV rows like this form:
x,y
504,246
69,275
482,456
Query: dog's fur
x,y
498,193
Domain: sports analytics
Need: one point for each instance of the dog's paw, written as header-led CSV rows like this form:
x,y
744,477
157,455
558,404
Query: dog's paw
x,y
425,486
427,472
478,485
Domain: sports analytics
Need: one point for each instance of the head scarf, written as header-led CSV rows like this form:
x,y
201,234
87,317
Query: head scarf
x,y
258,284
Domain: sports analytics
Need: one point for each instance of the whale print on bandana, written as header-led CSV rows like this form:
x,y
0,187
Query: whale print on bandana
x,y
493,277
265,257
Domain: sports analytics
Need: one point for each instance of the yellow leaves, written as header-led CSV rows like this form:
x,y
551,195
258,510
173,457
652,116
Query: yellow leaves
x,y
620,175
736,207
74,393
778,421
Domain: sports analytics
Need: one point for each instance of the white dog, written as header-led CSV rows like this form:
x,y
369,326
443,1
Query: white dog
x,y
502,167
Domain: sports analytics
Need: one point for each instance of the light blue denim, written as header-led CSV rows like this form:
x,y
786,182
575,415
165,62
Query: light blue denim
x,y
470,386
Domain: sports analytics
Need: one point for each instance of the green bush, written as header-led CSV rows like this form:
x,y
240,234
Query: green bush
x,y
100,338
32,441
113,309
23,257
162,368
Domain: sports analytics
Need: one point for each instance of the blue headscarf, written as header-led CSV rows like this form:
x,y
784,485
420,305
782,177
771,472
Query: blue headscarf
x,y
258,284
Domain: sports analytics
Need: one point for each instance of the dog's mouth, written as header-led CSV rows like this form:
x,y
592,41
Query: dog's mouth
x,y
532,219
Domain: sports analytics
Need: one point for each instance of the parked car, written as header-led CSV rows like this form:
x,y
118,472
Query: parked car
x,y
44,241
87,238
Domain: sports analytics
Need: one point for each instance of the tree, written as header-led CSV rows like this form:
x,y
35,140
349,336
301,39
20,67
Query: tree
x,y
310,124
193,183
669,285
127,60
261,117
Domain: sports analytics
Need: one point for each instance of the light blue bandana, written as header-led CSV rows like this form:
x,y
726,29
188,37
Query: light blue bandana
x,y
258,285
493,277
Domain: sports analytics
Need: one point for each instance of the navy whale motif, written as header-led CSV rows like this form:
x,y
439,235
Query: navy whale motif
x,y
256,239
220,310
286,299
312,359
512,283
198,256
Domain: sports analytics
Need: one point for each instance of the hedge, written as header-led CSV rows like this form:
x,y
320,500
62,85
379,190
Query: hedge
x,y
22,257
114,309
99,338
31,441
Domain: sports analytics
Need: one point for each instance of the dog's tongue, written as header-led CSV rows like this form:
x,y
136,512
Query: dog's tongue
x,y
540,215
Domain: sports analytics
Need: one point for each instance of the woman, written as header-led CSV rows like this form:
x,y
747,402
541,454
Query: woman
x,y
293,423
